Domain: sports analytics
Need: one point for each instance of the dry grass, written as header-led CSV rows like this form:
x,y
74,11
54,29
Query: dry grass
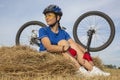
x,y
23,63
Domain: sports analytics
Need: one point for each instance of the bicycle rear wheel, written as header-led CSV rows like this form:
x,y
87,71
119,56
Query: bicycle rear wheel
x,y
98,21
24,34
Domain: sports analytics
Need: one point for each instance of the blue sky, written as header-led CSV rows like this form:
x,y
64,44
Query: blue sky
x,y
14,13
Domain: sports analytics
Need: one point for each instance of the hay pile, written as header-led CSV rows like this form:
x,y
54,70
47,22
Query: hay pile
x,y
24,61
21,60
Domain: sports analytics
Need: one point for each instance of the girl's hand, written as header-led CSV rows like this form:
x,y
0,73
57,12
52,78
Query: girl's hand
x,y
65,48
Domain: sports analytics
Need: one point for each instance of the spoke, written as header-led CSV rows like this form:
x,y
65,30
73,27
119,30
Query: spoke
x,y
101,27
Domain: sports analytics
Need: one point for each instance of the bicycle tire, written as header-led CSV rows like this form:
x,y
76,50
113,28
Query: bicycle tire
x,y
104,16
27,24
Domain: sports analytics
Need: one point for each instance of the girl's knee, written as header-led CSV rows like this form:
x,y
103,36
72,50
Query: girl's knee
x,y
63,42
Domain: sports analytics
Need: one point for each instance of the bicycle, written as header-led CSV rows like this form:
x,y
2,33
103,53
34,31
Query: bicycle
x,y
94,30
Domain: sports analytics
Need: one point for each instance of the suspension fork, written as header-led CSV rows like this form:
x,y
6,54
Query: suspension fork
x,y
90,33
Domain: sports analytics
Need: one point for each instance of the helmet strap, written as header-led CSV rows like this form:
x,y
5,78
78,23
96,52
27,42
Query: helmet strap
x,y
52,25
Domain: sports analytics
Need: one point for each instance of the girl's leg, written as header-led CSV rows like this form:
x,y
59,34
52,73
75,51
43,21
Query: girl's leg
x,y
73,60
67,55
80,69
93,70
83,50
80,53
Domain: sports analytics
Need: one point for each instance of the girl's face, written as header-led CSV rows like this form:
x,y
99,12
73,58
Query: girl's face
x,y
51,18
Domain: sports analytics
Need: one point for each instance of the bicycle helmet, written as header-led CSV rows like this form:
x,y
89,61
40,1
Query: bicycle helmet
x,y
53,8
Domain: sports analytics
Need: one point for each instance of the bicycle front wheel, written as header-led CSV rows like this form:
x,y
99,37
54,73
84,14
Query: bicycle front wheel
x,y
24,34
103,26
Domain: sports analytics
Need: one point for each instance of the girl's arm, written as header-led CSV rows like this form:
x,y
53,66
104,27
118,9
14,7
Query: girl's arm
x,y
52,48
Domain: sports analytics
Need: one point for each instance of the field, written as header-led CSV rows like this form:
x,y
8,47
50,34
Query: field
x,y
23,63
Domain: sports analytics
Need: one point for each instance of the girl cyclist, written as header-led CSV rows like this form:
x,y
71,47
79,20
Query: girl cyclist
x,y
54,39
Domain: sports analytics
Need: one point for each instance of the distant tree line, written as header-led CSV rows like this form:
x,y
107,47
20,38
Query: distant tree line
x,y
112,66
118,67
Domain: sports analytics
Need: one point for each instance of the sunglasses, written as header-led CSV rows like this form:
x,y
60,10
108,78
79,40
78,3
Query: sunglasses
x,y
49,15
